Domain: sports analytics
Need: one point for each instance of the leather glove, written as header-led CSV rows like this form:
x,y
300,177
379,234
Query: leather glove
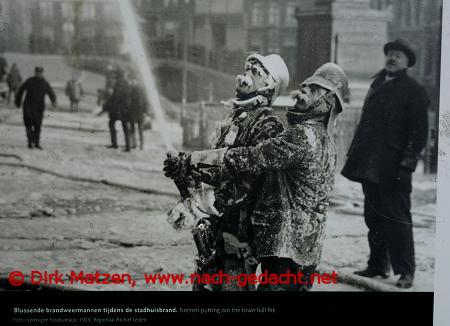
x,y
177,167
404,180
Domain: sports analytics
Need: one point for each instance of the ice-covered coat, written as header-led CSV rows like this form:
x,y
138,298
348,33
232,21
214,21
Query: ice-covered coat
x,y
296,176
242,128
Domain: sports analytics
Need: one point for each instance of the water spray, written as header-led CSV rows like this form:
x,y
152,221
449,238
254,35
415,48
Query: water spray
x,y
200,195
137,50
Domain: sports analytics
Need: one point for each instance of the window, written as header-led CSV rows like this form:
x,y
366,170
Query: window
x,y
202,6
257,14
405,13
290,14
46,9
417,10
110,10
68,28
67,10
376,4
413,21
170,26
234,6
218,31
88,10
48,32
219,6
88,33
255,43
421,12
273,41
170,3
289,40
274,14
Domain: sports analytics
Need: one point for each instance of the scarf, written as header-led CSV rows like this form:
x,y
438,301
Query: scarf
x,y
295,118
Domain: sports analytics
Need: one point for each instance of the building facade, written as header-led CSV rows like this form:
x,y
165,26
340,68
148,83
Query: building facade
x,y
213,30
221,33
15,23
306,33
272,27
350,33
63,26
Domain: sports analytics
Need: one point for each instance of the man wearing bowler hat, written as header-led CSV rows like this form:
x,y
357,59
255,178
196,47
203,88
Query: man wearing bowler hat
x,y
382,157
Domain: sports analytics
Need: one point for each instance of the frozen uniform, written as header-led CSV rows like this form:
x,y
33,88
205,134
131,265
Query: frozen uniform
x,y
291,177
289,212
248,127
244,127
250,122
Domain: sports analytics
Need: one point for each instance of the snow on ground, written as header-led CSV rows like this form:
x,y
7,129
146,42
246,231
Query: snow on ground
x,y
75,145
56,69
49,222
346,249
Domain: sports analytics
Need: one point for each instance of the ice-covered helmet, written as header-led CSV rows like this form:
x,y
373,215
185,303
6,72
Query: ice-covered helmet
x,y
277,69
331,77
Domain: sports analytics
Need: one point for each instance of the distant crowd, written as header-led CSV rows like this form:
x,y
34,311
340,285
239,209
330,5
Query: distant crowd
x,y
122,97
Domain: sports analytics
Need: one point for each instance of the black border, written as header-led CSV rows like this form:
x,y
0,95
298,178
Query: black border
x,y
334,308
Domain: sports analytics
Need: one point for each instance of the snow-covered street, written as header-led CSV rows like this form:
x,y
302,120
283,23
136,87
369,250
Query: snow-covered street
x,y
154,153
77,205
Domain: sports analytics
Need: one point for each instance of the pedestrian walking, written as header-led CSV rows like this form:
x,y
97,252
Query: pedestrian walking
x,y
138,110
3,72
117,105
382,157
14,80
3,67
104,93
36,88
74,91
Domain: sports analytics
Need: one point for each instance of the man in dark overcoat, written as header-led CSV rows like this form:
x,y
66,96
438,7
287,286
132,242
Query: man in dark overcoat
x,y
382,157
36,88
118,106
3,65
138,108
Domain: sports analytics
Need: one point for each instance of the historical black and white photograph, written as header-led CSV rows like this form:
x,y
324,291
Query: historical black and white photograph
x,y
219,145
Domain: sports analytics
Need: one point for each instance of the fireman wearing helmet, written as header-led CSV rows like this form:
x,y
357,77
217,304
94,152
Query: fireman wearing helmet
x,y
295,177
226,224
